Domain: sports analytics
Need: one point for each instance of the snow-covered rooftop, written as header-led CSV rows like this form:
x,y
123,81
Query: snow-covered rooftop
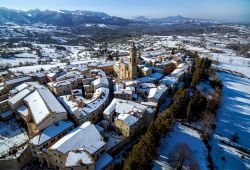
x,y
178,73
17,80
84,137
169,80
99,97
19,96
50,132
127,118
70,75
74,158
156,93
19,88
60,83
101,80
51,75
37,106
23,110
123,106
51,101
6,114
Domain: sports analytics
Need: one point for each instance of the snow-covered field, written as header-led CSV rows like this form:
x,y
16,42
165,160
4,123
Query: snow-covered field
x,y
29,69
181,134
233,118
233,63
15,61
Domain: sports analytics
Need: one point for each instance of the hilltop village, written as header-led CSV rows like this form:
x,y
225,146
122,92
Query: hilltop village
x,y
81,116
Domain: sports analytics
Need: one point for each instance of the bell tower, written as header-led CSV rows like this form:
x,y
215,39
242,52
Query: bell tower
x,y
133,62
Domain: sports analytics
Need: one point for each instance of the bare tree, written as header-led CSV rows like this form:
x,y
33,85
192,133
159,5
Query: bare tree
x,y
182,156
208,121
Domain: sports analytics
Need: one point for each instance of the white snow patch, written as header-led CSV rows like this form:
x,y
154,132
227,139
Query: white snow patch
x,y
181,134
233,117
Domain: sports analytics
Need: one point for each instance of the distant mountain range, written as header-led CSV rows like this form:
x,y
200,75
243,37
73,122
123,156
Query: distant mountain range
x,y
172,20
78,18
59,18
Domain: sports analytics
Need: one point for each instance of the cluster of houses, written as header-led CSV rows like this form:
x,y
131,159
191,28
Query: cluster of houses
x,y
80,116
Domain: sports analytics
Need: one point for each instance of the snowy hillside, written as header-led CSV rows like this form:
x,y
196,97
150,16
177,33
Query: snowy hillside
x,y
231,142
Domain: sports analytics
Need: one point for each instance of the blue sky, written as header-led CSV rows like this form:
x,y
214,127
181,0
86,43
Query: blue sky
x,y
229,10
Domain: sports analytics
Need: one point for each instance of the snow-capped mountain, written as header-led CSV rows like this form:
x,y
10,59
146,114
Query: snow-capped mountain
x,y
172,20
59,18
81,18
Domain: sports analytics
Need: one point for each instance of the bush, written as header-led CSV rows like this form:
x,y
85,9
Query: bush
x,y
216,84
235,137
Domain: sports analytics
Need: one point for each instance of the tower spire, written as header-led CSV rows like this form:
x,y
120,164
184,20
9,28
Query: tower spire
x,y
133,61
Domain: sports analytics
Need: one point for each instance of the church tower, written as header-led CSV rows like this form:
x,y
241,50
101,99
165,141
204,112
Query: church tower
x,y
133,62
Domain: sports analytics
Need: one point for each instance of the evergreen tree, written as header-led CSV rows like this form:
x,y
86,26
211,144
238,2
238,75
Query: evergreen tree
x,y
181,99
196,105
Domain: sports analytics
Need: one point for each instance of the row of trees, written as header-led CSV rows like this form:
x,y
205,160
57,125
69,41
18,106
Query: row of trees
x,y
203,108
189,102
186,106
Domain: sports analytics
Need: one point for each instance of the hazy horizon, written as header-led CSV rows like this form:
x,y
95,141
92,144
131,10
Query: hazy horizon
x,y
223,10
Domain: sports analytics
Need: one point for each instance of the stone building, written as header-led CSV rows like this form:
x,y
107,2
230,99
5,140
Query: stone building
x,y
129,70
81,148
128,117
